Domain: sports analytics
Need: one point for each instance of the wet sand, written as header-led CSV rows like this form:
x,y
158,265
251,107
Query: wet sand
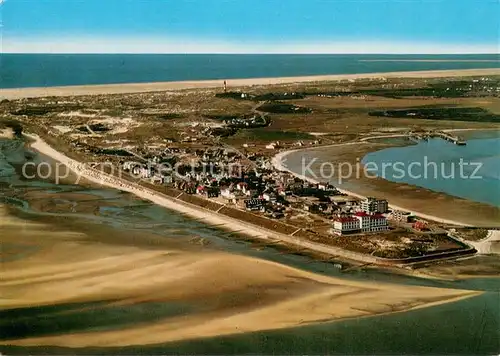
x,y
224,293
18,93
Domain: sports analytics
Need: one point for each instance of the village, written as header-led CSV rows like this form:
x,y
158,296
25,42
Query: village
x,y
215,149
253,189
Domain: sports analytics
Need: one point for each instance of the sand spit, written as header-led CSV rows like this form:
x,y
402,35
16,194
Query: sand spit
x,y
278,164
225,294
18,93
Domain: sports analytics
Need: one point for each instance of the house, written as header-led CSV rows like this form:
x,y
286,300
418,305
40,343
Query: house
x,y
254,204
420,226
212,192
188,188
311,207
270,197
242,186
285,192
157,179
228,193
142,172
250,192
326,187
326,208
200,190
167,179
402,216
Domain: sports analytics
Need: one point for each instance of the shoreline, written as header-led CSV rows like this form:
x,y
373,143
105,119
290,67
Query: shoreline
x,y
212,218
223,221
129,88
277,162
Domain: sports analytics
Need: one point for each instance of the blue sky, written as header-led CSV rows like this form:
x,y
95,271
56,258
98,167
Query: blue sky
x,y
258,26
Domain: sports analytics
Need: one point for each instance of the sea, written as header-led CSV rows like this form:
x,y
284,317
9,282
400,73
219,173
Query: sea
x,y
46,70
467,327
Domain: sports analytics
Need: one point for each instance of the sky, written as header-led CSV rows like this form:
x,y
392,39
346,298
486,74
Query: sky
x,y
250,26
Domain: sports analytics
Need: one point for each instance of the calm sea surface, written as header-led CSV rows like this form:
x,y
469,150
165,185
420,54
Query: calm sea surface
x,y
471,172
45,70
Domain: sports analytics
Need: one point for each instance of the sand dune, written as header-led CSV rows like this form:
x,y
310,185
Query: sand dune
x,y
226,293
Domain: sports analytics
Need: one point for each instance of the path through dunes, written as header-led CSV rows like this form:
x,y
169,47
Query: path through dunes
x,y
72,290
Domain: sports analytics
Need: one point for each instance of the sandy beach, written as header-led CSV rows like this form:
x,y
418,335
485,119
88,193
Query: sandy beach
x,y
278,164
18,93
444,208
210,217
222,293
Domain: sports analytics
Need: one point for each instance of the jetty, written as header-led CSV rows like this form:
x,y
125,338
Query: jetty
x,y
424,136
457,140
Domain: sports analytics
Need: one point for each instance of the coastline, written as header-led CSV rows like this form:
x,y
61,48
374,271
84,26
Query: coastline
x,y
129,88
278,164
69,266
210,217
278,160
224,221
119,267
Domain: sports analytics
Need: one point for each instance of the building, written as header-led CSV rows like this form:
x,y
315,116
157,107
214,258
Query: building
x,y
326,187
254,204
420,226
344,225
228,193
167,179
371,222
270,197
373,205
360,222
402,216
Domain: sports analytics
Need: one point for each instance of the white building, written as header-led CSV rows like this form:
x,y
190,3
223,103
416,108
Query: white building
x,y
402,216
372,205
371,222
346,225
360,222
228,193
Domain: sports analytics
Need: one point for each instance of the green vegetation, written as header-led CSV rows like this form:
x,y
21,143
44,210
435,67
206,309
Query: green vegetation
x,y
441,113
282,108
12,124
43,110
269,135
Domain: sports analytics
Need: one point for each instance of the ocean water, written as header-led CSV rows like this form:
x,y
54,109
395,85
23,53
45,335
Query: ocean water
x,y
45,70
471,172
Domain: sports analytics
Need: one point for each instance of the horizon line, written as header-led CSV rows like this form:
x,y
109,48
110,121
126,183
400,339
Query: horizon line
x,y
270,53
